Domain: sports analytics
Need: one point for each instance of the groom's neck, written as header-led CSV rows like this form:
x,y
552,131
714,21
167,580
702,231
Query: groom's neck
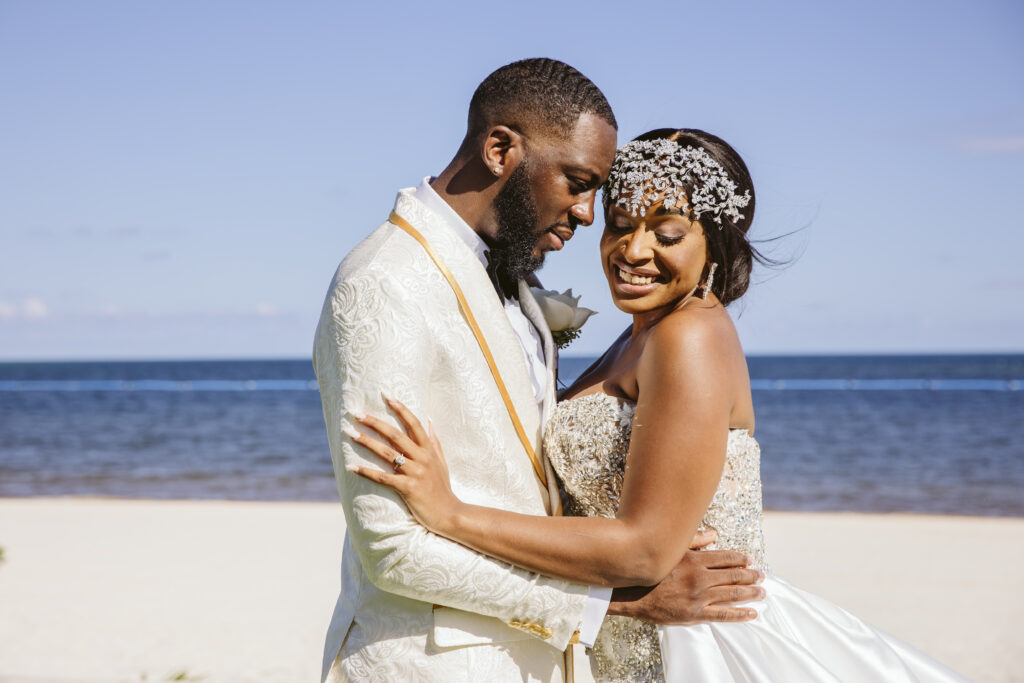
x,y
471,194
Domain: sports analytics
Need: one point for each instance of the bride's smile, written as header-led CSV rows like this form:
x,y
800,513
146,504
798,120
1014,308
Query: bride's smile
x,y
652,262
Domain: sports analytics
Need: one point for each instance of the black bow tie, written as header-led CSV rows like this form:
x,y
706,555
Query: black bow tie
x,y
506,287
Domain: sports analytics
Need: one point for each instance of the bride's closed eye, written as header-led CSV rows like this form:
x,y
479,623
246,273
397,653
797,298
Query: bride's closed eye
x,y
623,226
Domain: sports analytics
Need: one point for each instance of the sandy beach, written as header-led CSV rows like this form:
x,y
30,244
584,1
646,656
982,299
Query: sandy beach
x,y
97,590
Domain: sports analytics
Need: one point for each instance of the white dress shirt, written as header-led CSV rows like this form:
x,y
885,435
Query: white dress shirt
x,y
533,351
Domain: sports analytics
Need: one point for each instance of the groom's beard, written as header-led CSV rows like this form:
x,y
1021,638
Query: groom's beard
x,y
516,211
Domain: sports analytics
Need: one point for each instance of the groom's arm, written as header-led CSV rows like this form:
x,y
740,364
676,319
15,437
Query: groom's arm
x,y
373,337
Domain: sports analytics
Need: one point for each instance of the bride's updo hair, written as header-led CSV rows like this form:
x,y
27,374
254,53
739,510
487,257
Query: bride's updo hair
x,y
727,241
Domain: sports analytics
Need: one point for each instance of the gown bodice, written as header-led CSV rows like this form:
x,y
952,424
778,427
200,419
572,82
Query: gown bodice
x,y
797,636
587,441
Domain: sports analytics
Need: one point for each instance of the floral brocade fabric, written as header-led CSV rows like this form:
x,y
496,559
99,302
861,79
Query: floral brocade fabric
x,y
587,441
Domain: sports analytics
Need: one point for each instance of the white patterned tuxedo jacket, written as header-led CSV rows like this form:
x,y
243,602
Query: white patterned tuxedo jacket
x,y
413,605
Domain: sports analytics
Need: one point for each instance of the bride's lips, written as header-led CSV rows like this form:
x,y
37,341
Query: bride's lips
x,y
634,281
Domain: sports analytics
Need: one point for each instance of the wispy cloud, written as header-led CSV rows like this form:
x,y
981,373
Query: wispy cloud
x,y
125,231
29,308
1006,144
108,311
156,255
1008,282
265,310
116,233
35,308
32,308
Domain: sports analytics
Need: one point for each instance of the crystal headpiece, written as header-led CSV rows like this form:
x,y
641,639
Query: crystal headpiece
x,y
646,170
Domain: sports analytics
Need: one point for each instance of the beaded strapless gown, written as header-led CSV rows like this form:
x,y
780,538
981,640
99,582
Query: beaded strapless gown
x,y
796,637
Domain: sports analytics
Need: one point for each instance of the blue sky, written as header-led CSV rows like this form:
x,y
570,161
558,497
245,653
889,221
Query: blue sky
x,y
180,179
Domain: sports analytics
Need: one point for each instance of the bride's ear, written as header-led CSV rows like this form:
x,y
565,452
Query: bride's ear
x,y
502,150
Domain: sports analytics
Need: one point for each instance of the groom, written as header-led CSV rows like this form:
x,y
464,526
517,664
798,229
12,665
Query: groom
x,y
414,606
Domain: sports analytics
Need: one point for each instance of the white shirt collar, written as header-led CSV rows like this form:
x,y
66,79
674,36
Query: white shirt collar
x,y
426,195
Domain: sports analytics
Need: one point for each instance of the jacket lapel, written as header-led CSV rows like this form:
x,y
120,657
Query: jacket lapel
x,y
531,309
487,309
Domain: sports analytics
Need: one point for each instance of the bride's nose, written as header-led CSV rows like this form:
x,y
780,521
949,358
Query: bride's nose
x,y
636,247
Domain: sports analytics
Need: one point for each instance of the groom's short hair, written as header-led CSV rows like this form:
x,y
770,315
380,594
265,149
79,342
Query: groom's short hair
x,y
536,95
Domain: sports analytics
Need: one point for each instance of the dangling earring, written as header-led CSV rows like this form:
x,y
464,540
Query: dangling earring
x,y
711,279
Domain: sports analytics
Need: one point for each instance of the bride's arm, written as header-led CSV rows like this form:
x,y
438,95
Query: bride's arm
x,y
674,465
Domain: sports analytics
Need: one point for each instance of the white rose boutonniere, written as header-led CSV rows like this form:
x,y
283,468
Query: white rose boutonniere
x,y
563,314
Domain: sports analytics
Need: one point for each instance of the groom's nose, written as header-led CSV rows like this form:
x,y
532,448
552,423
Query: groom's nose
x,y
583,211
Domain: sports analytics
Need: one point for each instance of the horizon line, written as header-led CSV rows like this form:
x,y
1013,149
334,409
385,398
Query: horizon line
x,y
563,356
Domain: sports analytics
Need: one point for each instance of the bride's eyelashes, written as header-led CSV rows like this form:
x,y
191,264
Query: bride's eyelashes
x,y
663,240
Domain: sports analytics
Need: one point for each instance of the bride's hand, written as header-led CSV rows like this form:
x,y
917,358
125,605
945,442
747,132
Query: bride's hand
x,y
420,473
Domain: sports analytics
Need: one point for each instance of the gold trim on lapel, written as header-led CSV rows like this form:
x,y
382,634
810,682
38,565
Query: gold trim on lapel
x,y
481,341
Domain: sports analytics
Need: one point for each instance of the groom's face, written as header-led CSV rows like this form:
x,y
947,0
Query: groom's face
x,y
550,193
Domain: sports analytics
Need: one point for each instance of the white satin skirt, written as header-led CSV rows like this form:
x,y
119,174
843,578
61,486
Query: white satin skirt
x,y
797,636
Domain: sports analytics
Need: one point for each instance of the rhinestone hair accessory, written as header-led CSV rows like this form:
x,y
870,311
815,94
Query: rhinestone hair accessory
x,y
645,170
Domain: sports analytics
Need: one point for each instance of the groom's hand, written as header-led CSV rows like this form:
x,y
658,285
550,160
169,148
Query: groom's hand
x,y
701,588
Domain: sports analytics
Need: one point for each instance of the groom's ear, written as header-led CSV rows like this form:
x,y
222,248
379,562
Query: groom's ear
x,y
502,150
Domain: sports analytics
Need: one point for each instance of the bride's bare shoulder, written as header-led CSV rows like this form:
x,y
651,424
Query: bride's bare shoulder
x,y
699,350
700,331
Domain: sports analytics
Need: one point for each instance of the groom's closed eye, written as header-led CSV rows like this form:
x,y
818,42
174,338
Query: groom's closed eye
x,y
578,185
581,180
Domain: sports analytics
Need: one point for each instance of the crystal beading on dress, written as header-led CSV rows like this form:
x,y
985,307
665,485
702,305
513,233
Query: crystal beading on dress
x,y
587,440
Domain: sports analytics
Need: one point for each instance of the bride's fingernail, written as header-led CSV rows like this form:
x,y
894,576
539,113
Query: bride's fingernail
x,y
352,468
352,433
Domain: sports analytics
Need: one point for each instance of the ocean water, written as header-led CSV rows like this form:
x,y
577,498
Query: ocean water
x,y
937,434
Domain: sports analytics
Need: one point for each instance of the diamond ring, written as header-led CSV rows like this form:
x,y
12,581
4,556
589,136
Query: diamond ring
x,y
398,461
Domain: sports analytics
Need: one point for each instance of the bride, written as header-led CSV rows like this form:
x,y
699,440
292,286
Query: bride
x,y
655,441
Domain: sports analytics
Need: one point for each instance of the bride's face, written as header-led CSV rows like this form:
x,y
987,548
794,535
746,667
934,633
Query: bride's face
x,y
652,262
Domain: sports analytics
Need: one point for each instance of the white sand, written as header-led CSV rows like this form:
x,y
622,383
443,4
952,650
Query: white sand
x,y
109,590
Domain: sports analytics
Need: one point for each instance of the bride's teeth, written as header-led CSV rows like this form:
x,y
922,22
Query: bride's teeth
x,y
635,279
